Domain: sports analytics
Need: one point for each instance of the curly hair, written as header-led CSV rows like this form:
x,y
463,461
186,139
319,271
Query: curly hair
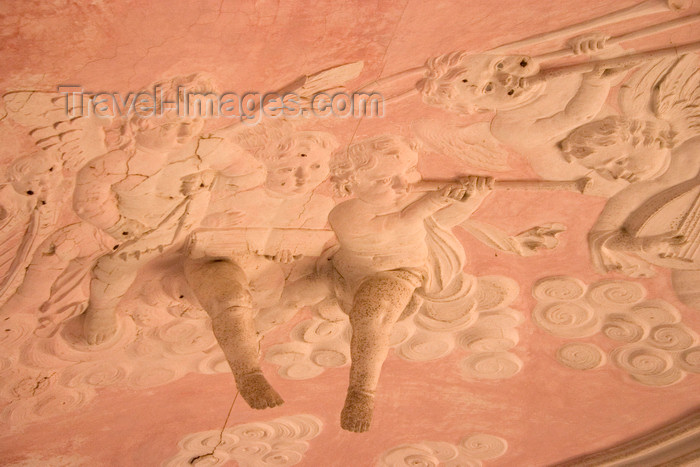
x,y
363,157
37,163
290,143
121,132
438,85
584,140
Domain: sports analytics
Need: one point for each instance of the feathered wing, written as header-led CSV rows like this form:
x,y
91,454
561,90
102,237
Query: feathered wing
x,y
254,138
57,126
326,80
635,96
18,238
473,144
676,97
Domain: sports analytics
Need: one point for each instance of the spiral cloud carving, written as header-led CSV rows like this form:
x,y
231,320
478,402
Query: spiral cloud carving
x,y
491,365
671,337
279,442
567,319
611,293
649,366
469,452
624,328
482,324
558,288
580,356
659,349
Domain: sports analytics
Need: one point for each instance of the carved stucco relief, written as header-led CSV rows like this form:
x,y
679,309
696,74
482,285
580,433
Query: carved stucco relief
x,y
482,324
470,451
658,349
673,444
282,441
245,211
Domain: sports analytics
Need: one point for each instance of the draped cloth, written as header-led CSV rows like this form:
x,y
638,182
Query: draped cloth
x,y
439,280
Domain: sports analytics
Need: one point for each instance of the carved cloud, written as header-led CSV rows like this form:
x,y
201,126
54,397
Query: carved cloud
x,y
470,451
280,442
658,349
482,324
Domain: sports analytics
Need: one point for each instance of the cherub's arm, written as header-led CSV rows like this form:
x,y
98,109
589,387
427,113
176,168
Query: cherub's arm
x,y
454,214
428,204
581,109
229,167
242,176
93,197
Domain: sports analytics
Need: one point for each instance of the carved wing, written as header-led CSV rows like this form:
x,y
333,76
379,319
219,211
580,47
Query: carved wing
x,y
18,237
326,80
472,144
74,139
636,93
255,138
676,97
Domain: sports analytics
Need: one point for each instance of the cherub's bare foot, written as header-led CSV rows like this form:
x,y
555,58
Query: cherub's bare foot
x,y
257,392
357,413
99,325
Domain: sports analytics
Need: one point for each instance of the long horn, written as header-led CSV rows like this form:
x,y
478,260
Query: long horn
x,y
579,185
648,31
617,62
648,7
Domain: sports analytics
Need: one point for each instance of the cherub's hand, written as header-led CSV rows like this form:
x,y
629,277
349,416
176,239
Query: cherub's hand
x,y
284,256
126,229
196,182
453,192
477,186
663,244
601,72
660,244
66,250
539,237
589,43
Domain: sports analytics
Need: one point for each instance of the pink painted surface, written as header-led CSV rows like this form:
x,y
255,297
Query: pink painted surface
x,y
546,412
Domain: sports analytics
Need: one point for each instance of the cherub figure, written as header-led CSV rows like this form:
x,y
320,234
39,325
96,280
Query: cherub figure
x,y
235,262
621,148
532,112
149,194
655,149
383,265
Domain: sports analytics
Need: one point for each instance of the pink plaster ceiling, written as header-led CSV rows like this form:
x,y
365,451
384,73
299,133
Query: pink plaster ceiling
x,y
545,411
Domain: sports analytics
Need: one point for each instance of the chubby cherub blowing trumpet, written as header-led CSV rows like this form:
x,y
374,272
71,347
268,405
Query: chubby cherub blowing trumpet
x,y
383,267
383,257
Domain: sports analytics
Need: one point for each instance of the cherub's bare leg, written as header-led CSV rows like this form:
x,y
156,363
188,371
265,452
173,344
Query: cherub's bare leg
x,y
111,278
306,291
376,307
221,287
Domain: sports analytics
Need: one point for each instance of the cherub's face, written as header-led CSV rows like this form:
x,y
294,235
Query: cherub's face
x,y
298,172
389,180
494,82
170,132
623,161
39,181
